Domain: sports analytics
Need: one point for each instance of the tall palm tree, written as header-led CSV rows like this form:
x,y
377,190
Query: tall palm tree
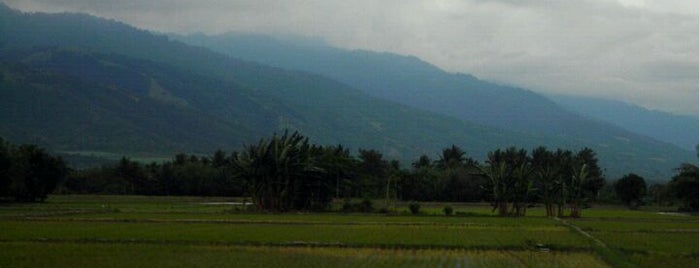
x,y
563,161
496,173
509,173
580,176
274,170
522,188
546,172
451,157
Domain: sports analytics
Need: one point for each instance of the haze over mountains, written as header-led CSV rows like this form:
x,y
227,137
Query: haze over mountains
x,y
680,130
79,83
416,83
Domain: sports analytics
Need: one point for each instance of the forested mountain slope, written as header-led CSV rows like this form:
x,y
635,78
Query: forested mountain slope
x,y
74,82
680,130
413,82
229,101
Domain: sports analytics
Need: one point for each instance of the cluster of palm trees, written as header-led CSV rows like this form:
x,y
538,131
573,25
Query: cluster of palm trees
x,y
555,178
288,173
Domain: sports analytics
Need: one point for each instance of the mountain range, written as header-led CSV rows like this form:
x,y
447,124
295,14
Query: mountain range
x,y
81,84
411,81
680,130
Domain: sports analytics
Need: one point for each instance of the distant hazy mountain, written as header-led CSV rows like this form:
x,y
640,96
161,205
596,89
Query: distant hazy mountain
x,y
410,81
680,130
78,83
118,89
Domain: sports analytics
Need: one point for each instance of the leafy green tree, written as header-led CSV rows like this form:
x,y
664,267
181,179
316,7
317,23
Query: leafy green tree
x,y
132,172
595,178
393,180
685,186
372,172
420,183
33,173
631,189
219,160
197,177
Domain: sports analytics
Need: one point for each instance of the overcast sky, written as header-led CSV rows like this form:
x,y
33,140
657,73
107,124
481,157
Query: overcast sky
x,y
640,51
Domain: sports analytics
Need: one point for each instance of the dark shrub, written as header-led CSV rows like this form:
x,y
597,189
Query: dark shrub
x,y
414,207
448,210
366,205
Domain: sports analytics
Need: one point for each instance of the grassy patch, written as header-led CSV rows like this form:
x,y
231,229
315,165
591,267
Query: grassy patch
x,y
95,230
412,236
22,254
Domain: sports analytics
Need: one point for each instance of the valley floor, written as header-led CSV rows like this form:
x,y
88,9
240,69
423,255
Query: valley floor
x,y
138,231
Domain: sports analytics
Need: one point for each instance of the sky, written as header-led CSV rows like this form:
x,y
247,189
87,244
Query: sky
x,y
639,51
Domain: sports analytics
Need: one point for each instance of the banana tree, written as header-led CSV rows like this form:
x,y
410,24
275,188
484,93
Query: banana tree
x,y
580,176
274,170
497,174
522,188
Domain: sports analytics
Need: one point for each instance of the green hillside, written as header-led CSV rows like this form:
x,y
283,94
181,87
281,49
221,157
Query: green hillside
x,y
680,130
76,100
74,82
413,82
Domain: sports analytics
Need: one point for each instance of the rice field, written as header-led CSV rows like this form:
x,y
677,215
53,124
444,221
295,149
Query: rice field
x,y
118,231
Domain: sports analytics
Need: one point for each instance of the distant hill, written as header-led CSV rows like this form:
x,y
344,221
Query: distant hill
x,y
413,82
680,130
78,83
179,98
75,100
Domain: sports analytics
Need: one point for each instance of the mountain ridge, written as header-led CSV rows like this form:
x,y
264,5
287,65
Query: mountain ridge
x,y
413,82
680,130
240,101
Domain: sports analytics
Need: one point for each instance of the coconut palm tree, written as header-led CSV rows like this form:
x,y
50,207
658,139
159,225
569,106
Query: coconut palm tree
x,y
522,189
563,161
496,172
451,157
546,173
579,178
275,170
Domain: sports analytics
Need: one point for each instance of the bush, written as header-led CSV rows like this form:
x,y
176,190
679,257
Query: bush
x,y
414,207
448,210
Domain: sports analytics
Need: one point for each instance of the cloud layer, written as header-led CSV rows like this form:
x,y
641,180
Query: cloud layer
x,y
645,52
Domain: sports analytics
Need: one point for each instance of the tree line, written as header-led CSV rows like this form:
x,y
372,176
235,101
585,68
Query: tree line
x,y
287,172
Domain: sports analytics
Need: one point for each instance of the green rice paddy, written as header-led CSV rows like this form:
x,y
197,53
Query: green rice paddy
x,y
137,231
